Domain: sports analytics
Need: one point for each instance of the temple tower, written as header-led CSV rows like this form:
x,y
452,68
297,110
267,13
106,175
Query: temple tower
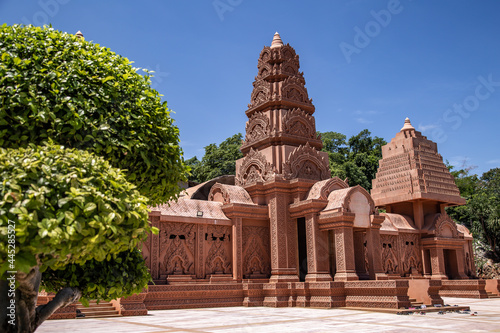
x,y
281,129
413,181
282,158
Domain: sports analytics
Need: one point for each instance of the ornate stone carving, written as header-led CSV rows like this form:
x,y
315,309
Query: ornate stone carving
x,y
445,227
218,259
293,90
410,258
306,162
300,123
256,261
261,93
257,128
254,168
177,242
390,261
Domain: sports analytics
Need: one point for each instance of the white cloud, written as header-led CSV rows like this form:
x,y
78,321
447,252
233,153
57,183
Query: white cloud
x,y
363,121
424,128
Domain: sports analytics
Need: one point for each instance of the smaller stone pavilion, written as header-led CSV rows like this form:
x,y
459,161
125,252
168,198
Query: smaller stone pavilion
x,y
282,232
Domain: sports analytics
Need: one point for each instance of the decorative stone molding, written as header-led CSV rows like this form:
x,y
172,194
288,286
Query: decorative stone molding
x,y
300,123
293,90
257,128
254,168
306,162
261,93
445,227
218,259
177,244
227,194
256,261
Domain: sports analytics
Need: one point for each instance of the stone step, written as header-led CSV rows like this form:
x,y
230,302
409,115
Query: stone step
x,y
99,316
94,310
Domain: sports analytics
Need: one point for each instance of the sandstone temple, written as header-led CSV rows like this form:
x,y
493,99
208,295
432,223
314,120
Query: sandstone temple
x,y
283,232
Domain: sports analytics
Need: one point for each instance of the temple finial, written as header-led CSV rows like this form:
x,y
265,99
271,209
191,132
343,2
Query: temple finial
x,y
407,125
277,42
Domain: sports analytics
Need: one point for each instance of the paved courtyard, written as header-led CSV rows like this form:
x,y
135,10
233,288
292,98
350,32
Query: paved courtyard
x,y
288,320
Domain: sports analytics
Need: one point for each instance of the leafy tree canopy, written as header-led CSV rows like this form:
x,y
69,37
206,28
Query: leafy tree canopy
x,y
74,217
355,159
217,161
81,95
482,211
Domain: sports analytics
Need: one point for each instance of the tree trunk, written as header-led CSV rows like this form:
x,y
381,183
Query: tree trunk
x,y
19,313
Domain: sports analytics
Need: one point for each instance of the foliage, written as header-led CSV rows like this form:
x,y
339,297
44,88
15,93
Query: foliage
x,y
122,276
217,161
68,206
482,210
355,159
56,86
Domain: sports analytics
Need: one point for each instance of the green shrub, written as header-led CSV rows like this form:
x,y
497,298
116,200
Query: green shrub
x,y
56,86
68,206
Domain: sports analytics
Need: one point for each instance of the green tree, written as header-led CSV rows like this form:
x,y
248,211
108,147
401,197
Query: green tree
x,y
481,214
81,95
63,212
355,159
75,206
217,161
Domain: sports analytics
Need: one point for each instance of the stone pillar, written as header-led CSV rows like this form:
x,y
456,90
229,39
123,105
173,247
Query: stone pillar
x,y
374,249
461,264
437,264
418,214
155,249
237,233
344,253
317,251
281,244
199,258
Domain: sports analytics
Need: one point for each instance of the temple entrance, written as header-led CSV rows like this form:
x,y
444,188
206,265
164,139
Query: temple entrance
x,y
360,254
302,240
450,263
427,263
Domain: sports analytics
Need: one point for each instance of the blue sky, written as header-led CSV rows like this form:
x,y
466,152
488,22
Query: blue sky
x,y
367,64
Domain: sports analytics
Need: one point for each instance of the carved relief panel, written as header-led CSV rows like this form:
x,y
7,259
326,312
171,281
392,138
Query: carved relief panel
x,y
306,162
300,123
256,261
409,251
254,168
219,255
177,248
390,262
257,128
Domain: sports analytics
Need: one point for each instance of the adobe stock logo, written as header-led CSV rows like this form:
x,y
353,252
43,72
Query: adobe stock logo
x,y
49,8
460,111
223,6
373,28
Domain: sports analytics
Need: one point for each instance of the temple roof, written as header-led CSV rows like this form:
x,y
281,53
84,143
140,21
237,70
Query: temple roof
x,y
277,42
410,169
189,208
397,223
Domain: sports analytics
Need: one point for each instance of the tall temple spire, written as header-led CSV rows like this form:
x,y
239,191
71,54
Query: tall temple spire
x,y
281,130
277,42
